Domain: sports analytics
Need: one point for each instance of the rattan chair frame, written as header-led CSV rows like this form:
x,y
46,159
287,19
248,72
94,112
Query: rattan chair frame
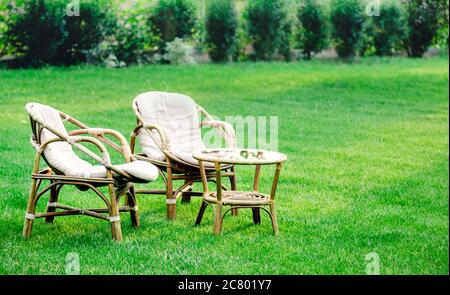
x,y
175,169
118,182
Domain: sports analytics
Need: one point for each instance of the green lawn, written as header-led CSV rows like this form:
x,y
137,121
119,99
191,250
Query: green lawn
x,y
367,171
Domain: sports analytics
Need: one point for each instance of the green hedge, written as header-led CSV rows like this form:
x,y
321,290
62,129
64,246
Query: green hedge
x,y
347,20
172,19
38,32
267,27
312,34
423,25
221,25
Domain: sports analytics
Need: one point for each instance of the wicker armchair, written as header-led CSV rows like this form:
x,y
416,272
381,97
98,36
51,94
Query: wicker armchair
x,y
56,146
169,132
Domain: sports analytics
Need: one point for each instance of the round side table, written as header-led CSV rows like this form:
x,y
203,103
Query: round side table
x,y
239,199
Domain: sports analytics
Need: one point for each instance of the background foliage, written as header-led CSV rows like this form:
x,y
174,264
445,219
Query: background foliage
x,y
221,29
123,32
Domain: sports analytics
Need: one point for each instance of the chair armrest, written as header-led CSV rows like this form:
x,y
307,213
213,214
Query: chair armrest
x,y
105,160
124,149
164,141
75,140
224,129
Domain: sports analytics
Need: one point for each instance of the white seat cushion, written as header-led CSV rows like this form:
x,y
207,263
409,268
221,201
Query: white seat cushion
x,y
139,169
60,155
187,157
177,115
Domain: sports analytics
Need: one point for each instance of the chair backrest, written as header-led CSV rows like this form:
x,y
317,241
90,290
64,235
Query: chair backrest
x,y
58,155
176,114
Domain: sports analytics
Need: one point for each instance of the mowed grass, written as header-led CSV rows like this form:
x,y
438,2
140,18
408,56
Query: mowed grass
x,y
367,170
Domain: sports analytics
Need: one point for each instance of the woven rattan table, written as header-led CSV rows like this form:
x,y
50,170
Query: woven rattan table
x,y
239,199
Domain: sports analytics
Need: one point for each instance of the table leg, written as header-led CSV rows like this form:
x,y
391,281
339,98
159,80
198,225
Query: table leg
x,y
218,219
273,214
234,211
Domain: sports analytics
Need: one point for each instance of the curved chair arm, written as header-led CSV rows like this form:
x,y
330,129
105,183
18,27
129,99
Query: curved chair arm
x,y
124,149
164,141
225,130
74,141
105,160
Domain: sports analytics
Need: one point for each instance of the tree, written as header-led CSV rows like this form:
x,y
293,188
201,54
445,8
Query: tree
x,y
312,34
173,19
388,29
221,26
423,25
267,27
347,20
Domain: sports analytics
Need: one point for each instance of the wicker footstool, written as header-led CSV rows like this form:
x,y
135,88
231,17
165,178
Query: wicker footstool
x,y
239,199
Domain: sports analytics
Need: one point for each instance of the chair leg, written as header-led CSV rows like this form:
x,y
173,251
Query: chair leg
x,y
201,212
185,198
31,210
54,193
256,216
273,216
116,228
218,219
171,201
134,213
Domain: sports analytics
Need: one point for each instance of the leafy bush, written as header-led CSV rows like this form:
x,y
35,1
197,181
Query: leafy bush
x,y
285,38
423,24
221,26
389,29
442,37
347,19
134,42
313,30
40,32
84,32
173,19
34,33
3,27
178,52
130,41
385,33
267,26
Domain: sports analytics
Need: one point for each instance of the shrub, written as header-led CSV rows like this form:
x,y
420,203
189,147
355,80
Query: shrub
x,y
442,38
389,29
41,32
34,33
221,26
133,41
313,33
178,52
347,20
84,32
423,24
284,40
3,27
173,19
267,26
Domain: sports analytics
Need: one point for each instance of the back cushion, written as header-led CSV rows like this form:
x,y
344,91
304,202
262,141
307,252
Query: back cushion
x,y
176,114
59,155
